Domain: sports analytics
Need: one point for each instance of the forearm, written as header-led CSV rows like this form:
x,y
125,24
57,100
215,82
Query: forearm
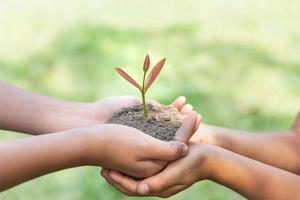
x,y
28,112
28,158
252,179
277,149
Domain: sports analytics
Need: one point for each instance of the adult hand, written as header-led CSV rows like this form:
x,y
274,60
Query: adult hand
x,y
176,177
134,153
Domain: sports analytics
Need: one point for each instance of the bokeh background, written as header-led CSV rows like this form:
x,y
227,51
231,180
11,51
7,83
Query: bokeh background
x,y
237,61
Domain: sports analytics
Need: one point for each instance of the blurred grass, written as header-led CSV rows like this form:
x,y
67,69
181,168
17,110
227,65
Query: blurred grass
x,y
237,61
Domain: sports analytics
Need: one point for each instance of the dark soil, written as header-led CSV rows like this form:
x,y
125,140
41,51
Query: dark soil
x,y
162,121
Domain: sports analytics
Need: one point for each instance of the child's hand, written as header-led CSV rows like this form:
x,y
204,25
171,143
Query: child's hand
x,y
116,147
104,108
205,134
132,152
86,114
174,178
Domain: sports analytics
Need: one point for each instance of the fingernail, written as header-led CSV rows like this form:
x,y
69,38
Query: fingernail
x,y
185,149
143,189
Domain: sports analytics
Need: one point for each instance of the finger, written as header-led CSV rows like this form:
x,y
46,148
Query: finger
x,y
125,182
165,151
179,102
147,167
159,182
104,172
119,187
170,192
187,127
199,119
186,109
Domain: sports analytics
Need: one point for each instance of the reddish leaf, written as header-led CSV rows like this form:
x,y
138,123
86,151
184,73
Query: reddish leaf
x,y
128,78
154,73
146,63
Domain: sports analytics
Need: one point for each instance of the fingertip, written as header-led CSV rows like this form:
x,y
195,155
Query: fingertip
x,y
181,99
179,102
186,109
185,150
104,172
179,149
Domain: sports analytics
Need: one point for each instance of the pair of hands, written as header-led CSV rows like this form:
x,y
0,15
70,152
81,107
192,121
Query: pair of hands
x,y
128,150
146,156
177,176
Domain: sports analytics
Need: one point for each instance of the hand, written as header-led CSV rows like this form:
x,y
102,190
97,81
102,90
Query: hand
x,y
205,134
176,177
104,108
132,152
86,114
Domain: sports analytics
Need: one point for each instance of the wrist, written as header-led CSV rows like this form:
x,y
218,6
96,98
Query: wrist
x,y
69,115
78,139
216,136
207,158
217,160
95,139
206,134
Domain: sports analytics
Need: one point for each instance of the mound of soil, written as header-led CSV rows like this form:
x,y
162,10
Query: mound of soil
x,y
162,121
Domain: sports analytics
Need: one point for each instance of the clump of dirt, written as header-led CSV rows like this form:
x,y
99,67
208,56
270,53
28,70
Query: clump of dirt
x,y
162,121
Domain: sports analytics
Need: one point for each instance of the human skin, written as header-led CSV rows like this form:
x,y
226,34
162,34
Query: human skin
x,y
248,177
261,146
112,146
31,113
253,176
129,150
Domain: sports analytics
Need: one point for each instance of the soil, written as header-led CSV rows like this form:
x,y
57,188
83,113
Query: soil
x,y
162,121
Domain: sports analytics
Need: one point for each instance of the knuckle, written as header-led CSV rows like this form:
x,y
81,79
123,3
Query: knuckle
x,y
176,149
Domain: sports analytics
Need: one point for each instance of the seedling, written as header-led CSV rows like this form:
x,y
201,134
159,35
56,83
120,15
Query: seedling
x,y
143,88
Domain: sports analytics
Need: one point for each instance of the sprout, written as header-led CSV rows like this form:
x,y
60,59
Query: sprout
x,y
146,82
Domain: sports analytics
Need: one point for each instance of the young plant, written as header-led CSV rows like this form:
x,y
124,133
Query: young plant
x,y
143,88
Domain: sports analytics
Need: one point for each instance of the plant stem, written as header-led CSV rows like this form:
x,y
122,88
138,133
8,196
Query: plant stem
x,y
143,97
144,105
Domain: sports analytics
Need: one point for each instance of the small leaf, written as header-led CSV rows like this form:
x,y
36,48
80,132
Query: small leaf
x,y
146,63
154,73
128,78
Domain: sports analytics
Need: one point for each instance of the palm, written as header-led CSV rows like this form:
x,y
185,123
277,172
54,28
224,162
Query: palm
x,y
106,107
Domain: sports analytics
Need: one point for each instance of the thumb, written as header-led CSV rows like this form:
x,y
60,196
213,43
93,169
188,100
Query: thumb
x,y
157,183
166,151
187,127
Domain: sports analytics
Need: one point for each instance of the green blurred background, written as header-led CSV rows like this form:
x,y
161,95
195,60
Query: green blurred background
x,y
237,61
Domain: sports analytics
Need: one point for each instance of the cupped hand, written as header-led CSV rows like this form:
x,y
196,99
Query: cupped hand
x,y
132,152
103,109
176,177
